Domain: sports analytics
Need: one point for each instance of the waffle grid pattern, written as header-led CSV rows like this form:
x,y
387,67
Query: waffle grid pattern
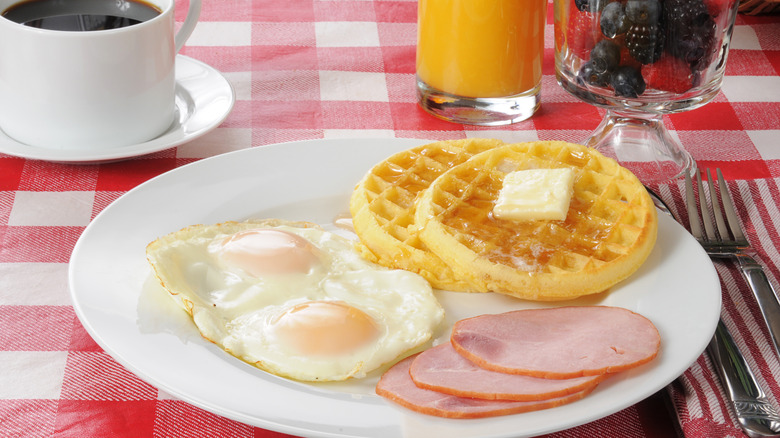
x,y
383,206
609,232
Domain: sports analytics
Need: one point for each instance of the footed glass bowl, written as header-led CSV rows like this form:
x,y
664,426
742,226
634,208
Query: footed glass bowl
x,y
641,59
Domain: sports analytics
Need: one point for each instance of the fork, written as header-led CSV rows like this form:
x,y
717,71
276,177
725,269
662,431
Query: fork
x,y
720,245
756,415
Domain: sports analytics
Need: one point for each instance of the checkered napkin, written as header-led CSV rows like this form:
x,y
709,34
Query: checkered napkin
x,y
306,69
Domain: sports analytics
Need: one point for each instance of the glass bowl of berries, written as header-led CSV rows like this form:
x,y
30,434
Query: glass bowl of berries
x,y
641,59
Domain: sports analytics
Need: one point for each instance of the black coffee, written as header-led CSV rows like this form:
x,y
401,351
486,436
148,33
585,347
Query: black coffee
x,y
81,15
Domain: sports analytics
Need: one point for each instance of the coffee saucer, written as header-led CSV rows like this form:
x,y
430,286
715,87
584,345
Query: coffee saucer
x,y
204,99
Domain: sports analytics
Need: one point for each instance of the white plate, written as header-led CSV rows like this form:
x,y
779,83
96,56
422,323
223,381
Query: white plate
x,y
204,99
129,316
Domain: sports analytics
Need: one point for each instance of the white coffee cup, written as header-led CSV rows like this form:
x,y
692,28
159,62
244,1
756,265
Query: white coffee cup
x,y
86,90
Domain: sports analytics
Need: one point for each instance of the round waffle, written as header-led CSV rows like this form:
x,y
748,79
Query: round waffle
x,y
609,231
383,206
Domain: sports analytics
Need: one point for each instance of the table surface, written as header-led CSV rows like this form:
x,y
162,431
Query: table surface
x,y
311,69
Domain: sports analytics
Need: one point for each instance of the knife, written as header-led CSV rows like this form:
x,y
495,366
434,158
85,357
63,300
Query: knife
x,y
756,415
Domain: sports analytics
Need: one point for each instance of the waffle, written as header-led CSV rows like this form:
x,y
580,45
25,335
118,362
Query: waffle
x,y
383,203
609,231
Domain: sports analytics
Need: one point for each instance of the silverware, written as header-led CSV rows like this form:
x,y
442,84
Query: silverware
x,y
720,245
756,415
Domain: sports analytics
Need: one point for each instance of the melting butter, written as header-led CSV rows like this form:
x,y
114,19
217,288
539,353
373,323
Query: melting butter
x,y
535,194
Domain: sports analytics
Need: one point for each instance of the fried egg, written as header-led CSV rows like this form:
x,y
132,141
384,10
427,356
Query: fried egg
x,y
293,299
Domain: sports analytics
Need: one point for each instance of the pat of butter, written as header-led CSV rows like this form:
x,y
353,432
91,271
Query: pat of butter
x,y
535,194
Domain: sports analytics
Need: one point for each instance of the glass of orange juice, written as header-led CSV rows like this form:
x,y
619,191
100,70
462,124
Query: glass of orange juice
x,y
479,62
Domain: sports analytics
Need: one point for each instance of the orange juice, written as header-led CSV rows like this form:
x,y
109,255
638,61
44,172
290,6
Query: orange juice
x,y
481,48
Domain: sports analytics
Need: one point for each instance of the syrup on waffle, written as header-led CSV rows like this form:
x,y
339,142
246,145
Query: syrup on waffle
x,y
383,208
609,231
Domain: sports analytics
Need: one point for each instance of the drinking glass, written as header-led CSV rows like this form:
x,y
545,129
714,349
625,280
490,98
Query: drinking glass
x,y
641,59
480,61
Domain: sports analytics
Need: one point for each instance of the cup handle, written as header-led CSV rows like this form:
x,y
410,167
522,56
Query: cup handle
x,y
189,25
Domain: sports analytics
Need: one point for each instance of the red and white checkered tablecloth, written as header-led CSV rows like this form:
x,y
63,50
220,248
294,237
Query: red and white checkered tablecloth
x,y
310,69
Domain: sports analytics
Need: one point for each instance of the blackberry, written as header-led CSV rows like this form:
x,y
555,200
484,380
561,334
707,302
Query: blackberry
x,y
605,56
645,42
690,31
644,37
627,82
613,20
684,13
588,76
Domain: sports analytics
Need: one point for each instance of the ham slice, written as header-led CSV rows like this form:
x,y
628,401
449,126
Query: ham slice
x,y
442,369
397,385
558,343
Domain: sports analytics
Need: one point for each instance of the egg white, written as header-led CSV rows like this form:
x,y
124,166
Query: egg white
x,y
237,311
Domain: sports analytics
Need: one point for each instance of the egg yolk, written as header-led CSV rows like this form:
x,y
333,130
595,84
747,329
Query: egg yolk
x,y
266,251
325,328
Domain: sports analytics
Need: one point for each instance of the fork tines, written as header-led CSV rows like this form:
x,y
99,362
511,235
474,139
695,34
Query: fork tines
x,y
729,224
